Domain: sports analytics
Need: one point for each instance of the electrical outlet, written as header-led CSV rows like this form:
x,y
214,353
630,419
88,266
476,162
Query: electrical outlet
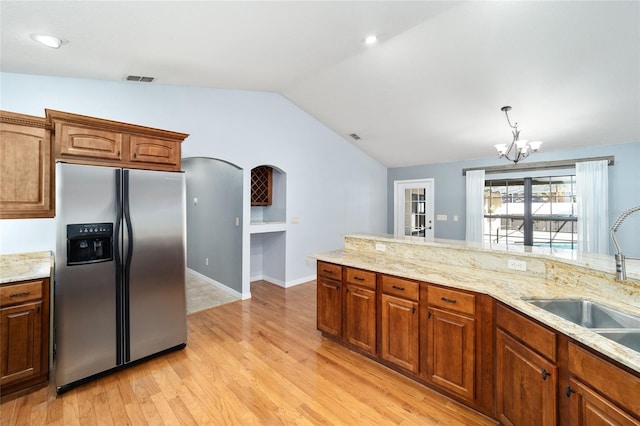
x,y
517,265
381,247
441,217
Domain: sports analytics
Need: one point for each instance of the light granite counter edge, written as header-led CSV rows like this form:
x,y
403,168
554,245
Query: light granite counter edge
x,y
26,266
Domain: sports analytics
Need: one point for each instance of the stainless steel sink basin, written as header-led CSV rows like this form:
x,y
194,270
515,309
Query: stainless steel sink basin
x,y
630,339
588,314
608,322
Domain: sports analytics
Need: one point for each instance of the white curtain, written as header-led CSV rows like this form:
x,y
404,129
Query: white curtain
x,y
475,206
592,194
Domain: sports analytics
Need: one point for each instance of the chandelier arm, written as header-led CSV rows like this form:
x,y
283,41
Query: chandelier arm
x,y
506,113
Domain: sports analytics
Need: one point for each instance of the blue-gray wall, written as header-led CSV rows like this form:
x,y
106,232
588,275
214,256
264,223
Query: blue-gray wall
x,y
449,184
212,232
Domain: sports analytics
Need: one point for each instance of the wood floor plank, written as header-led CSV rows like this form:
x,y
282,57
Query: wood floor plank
x,y
254,362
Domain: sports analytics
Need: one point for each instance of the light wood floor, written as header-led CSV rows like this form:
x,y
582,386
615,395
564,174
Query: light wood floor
x,y
259,361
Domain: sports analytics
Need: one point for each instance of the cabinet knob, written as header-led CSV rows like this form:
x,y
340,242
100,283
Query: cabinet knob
x,y
568,391
135,155
544,373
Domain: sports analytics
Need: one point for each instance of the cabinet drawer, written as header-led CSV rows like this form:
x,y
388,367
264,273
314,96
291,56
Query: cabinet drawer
x,y
617,384
400,287
360,277
329,270
536,336
19,293
452,300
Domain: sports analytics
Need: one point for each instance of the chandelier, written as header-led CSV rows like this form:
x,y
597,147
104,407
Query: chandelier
x,y
519,149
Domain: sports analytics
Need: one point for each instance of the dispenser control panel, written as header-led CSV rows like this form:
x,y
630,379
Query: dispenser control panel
x,y
89,243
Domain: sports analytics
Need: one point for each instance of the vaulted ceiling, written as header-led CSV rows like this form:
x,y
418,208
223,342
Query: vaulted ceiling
x,y
429,91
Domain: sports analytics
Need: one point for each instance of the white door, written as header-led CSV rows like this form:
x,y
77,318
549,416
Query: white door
x,y
413,200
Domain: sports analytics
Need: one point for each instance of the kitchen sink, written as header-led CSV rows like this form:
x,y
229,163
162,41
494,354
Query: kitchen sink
x,y
608,322
588,314
630,339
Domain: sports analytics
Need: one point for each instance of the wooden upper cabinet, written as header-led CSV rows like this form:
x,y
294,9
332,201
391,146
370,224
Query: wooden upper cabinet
x,y
26,167
87,140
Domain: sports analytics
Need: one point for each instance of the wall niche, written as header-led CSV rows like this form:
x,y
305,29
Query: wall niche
x,y
268,195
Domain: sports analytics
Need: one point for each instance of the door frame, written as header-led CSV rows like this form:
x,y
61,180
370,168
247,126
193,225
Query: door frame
x,y
429,185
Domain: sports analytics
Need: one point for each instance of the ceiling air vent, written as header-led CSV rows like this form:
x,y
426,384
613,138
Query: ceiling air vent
x,y
355,136
140,78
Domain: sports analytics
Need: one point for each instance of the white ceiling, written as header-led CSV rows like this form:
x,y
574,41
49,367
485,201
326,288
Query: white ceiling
x,y
430,91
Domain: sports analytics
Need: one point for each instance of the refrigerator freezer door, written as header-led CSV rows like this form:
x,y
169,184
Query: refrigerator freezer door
x,y
156,285
85,295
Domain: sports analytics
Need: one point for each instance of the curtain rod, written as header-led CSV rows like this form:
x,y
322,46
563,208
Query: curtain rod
x,y
540,165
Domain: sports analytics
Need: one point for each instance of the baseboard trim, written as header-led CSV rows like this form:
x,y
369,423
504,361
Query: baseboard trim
x,y
218,284
281,283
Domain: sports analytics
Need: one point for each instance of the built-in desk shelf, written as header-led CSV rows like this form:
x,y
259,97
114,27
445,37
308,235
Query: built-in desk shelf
x,y
265,227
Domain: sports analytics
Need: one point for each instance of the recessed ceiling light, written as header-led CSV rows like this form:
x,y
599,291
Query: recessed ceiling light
x,y
371,39
48,40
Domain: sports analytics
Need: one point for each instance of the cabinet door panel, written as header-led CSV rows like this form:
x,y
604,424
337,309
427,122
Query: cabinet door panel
x,y
361,317
588,408
526,384
26,169
400,332
155,151
451,353
21,342
329,307
76,141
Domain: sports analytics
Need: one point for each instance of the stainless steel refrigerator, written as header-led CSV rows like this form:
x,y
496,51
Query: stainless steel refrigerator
x,y
120,268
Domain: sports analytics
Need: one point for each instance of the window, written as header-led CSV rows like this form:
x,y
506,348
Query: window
x,y
538,211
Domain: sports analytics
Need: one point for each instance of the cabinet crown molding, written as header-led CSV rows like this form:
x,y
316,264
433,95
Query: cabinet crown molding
x,y
83,120
24,120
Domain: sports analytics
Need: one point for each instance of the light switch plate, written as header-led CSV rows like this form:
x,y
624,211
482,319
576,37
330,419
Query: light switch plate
x,y
441,217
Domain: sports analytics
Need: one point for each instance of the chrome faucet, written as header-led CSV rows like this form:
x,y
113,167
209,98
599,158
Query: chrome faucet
x,y
621,272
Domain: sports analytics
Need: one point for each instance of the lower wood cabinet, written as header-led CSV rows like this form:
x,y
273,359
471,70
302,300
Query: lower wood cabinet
x,y
360,317
600,393
526,371
24,335
451,352
400,324
475,350
588,407
329,306
399,341
526,384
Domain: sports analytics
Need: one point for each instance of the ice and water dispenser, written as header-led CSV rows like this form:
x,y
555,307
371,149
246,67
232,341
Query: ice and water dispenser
x,y
89,243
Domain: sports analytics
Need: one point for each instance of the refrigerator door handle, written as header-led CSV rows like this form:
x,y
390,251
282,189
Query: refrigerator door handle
x,y
127,261
117,250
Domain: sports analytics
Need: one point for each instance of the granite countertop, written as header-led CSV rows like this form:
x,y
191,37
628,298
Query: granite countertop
x,y
25,266
509,288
